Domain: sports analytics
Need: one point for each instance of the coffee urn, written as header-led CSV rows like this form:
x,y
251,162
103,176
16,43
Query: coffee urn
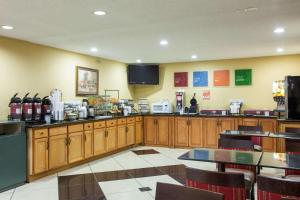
x,y
15,108
46,108
36,107
27,108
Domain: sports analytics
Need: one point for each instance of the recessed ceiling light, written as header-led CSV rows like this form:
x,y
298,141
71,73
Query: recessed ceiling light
x,y
138,60
194,56
164,42
7,27
99,12
279,30
94,49
279,50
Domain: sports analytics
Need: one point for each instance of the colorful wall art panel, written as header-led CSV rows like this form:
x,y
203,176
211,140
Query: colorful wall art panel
x,y
200,79
180,79
243,77
221,78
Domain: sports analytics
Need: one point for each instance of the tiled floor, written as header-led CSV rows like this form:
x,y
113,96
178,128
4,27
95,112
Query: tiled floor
x,y
132,172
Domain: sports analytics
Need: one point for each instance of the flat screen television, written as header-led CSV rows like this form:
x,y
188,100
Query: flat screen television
x,y
147,74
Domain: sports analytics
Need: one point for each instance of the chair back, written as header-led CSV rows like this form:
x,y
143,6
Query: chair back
x,y
250,128
271,188
235,144
232,185
165,191
292,145
292,130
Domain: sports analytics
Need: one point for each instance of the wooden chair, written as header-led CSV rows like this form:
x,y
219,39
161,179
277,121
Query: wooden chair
x,y
257,141
232,185
271,188
165,191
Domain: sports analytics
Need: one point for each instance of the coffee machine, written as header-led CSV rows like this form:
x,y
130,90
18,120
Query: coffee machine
x,y
15,108
179,101
235,106
36,107
27,108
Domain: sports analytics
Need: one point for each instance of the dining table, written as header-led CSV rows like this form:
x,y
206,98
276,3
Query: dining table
x,y
280,160
284,135
223,157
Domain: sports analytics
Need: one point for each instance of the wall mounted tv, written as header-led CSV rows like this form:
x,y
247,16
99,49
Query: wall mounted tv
x,y
146,74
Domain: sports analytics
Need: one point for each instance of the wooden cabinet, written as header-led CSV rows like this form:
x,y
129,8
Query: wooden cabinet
x,y
195,132
150,130
156,130
99,141
58,151
111,138
210,132
139,132
88,144
40,155
249,122
181,132
226,123
270,125
130,138
76,147
122,139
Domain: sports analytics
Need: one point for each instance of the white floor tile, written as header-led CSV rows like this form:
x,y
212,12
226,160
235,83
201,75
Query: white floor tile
x,y
125,185
130,196
44,194
43,183
82,169
130,160
152,181
5,196
8,191
159,160
104,165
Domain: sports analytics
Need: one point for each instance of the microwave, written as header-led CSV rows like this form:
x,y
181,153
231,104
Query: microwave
x,y
161,107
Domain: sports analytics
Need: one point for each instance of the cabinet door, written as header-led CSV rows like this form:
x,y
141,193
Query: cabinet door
x,y
88,144
99,141
250,122
150,130
268,144
122,136
195,132
130,134
226,123
210,133
181,132
111,138
139,132
76,147
40,155
58,151
162,131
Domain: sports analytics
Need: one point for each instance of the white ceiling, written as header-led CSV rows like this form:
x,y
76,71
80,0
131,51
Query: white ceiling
x,y
132,29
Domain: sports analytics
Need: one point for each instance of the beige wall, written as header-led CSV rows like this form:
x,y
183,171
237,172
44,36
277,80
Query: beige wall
x,y
258,95
27,67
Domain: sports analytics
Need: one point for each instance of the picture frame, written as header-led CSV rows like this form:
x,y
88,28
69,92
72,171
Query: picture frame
x,y
87,81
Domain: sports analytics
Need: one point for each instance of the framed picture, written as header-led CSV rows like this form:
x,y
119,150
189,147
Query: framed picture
x,y
180,79
87,81
243,77
221,78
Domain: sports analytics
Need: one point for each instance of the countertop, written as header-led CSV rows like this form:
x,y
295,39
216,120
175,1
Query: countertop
x,y
67,122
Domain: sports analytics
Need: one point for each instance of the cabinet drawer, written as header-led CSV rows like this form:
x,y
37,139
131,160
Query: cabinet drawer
x,y
100,124
75,128
88,126
110,123
122,121
58,131
130,120
40,133
138,119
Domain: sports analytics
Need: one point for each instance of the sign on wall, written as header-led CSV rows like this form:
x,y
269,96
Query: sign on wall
x,y
243,76
221,78
180,79
200,79
206,95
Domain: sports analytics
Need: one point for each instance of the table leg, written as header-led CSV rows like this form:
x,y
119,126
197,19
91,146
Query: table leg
x,y
221,167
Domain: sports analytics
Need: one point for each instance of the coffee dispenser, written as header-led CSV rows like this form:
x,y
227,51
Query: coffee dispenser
x,y
46,107
15,107
36,107
27,108
179,101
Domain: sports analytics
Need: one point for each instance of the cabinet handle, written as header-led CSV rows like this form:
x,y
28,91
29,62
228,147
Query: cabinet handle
x,y
84,137
66,141
126,129
70,141
47,145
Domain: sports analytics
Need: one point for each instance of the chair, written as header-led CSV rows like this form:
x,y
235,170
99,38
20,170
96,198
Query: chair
x,y
271,188
165,191
257,141
292,146
232,185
